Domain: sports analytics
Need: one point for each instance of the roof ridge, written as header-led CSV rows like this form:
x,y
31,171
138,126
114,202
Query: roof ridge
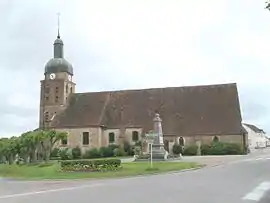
x,y
159,88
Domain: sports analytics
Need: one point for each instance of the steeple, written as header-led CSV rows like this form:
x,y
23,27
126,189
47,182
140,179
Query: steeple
x,y
58,26
58,64
58,43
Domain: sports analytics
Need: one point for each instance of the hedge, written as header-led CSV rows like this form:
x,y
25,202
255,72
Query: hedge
x,y
190,150
215,148
90,165
219,148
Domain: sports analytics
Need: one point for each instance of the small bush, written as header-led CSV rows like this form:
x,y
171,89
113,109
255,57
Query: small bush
x,y
76,153
55,153
128,149
114,146
119,152
92,154
177,149
107,151
220,148
190,150
90,165
65,154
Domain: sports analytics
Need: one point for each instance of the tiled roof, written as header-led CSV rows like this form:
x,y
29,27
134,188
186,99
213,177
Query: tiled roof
x,y
190,110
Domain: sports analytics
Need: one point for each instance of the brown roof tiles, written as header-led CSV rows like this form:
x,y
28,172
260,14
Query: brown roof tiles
x,y
191,110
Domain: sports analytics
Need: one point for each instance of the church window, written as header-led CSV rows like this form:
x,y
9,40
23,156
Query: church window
x,y
66,88
135,136
216,139
111,137
71,90
85,138
56,99
47,98
64,141
181,141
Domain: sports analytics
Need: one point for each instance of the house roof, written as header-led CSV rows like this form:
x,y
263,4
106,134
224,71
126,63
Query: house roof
x,y
190,110
254,128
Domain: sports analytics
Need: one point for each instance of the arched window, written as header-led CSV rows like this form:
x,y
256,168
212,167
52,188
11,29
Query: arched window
x,y
71,90
64,141
66,88
111,138
135,136
181,141
215,139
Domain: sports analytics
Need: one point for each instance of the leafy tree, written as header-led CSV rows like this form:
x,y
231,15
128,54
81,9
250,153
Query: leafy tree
x,y
31,146
267,4
48,141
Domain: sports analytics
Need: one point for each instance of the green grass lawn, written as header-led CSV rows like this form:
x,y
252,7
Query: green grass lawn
x,y
52,171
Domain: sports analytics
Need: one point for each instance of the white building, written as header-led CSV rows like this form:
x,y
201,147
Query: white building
x,y
256,137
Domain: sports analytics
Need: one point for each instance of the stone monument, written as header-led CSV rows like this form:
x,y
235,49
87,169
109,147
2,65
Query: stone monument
x,y
158,153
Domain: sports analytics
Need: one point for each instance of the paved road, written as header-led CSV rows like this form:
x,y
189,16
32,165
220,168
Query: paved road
x,y
246,181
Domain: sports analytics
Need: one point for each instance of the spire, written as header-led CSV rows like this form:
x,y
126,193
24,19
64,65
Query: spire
x,y
58,43
58,25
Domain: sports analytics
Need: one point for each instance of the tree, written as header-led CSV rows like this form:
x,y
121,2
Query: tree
x,y
10,148
48,141
267,5
32,146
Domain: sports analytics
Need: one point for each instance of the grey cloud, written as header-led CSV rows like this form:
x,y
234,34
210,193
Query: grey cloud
x,y
26,40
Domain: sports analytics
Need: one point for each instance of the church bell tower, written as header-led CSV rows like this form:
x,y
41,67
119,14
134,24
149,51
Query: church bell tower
x,y
57,85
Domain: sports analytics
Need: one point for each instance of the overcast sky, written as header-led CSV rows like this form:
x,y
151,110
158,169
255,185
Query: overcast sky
x,y
123,44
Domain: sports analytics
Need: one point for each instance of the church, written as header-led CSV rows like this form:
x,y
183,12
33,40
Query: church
x,y
189,114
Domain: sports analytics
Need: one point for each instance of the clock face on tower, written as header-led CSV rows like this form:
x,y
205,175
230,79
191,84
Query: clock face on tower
x,y
52,76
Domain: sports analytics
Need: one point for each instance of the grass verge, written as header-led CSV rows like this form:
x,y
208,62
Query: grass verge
x,y
51,171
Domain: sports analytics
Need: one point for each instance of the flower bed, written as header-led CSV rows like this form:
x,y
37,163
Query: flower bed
x,y
90,165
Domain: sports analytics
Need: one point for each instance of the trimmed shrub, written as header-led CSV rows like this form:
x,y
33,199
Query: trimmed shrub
x,y
76,153
177,149
220,148
114,146
119,152
190,150
107,151
92,154
90,165
65,154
